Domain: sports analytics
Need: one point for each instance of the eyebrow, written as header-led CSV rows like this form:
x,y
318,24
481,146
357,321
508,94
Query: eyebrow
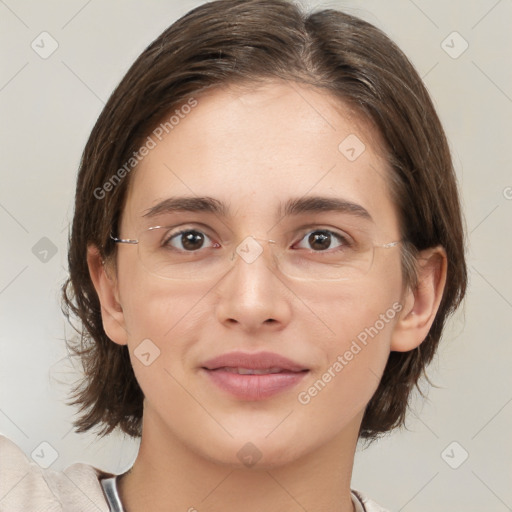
x,y
292,207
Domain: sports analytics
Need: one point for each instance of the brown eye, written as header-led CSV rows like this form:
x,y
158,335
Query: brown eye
x,y
189,240
321,240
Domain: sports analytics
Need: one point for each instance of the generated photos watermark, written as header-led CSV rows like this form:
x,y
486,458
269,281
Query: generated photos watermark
x,y
151,142
305,397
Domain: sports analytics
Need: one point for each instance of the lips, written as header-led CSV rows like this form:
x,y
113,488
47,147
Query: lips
x,y
251,371
253,376
257,361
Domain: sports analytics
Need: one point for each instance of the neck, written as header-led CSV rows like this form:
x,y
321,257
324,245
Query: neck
x,y
167,475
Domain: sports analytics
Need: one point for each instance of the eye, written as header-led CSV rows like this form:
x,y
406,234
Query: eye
x,y
188,240
323,239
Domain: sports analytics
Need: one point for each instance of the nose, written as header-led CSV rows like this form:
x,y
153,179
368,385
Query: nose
x,y
253,295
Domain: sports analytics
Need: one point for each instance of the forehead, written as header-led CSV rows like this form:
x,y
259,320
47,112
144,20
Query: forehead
x,y
255,149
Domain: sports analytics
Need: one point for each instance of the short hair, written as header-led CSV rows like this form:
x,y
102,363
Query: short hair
x,y
228,42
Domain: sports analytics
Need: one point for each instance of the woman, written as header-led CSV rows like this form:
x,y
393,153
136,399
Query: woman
x,y
267,241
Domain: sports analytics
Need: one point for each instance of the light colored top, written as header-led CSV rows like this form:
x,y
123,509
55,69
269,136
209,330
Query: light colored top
x,y
28,487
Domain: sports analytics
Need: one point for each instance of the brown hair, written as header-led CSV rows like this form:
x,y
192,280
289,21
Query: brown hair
x,y
245,41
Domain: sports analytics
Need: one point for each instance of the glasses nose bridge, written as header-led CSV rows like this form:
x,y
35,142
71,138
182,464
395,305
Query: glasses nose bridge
x,y
252,247
268,241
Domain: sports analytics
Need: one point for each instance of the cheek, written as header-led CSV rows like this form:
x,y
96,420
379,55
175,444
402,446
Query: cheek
x,y
160,321
361,310
354,353
161,310
152,307
159,315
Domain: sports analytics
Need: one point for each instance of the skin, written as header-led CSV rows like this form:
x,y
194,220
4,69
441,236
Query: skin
x,y
251,149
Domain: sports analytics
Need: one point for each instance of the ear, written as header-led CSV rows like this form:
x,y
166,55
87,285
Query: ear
x,y
108,294
421,304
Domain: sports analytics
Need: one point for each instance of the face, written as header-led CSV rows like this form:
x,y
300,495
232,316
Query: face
x,y
253,151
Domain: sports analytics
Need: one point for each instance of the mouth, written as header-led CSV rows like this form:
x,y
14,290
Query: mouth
x,y
267,362
254,371
253,377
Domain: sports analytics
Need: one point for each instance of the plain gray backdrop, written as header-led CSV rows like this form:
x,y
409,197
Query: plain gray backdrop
x,y
456,454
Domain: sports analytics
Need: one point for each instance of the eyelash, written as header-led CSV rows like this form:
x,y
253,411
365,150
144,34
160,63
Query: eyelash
x,y
343,239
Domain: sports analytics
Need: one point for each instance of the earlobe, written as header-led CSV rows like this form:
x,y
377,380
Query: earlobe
x,y
105,285
422,303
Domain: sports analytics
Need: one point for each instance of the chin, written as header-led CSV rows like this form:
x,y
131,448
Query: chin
x,y
256,452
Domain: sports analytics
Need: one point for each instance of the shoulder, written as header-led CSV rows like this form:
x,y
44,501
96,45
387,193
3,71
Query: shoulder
x,y
367,505
24,485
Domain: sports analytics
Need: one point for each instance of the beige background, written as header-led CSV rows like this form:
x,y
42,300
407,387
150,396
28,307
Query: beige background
x,y
47,109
